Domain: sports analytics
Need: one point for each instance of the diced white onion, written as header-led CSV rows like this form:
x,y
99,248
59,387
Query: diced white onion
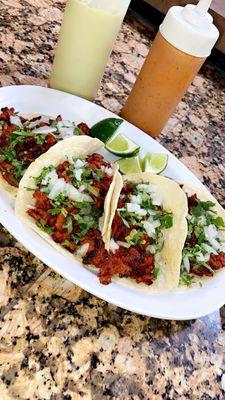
x,y
136,199
82,251
75,195
108,171
15,120
50,178
221,235
35,123
65,128
113,246
44,130
215,244
147,187
65,123
156,199
58,185
135,208
222,247
202,257
211,234
156,223
209,249
152,190
82,188
151,249
202,220
78,174
149,228
152,212
186,263
79,163
65,132
212,213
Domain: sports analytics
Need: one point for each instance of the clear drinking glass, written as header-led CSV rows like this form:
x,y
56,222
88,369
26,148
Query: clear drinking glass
x,y
88,31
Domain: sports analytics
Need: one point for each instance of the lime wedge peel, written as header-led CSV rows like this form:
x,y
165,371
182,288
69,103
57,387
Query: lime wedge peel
x,y
105,129
130,165
122,146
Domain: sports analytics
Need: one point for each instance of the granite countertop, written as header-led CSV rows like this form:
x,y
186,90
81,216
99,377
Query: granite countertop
x,y
57,341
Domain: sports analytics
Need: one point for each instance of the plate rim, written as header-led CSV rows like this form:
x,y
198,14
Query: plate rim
x,y
44,258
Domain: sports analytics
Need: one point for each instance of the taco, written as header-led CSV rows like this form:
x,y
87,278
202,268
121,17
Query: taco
x,y
24,138
204,250
148,231
65,197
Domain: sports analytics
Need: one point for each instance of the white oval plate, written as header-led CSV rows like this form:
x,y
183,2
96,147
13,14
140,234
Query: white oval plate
x,y
178,305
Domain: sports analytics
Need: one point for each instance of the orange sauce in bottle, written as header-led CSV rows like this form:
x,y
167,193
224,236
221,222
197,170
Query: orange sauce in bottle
x,y
162,82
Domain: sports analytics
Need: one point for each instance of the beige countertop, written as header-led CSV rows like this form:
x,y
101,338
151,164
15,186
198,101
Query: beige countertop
x,y
57,341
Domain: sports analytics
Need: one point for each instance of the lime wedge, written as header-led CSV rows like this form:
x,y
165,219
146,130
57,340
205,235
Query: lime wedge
x,y
130,165
122,146
154,162
105,129
145,162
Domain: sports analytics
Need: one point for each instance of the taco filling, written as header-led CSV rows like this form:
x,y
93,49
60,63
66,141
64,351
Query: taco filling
x,y
204,249
137,234
69,204
23,140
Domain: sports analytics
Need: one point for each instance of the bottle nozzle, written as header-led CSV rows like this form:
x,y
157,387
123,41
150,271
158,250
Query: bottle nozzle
x,y
203,6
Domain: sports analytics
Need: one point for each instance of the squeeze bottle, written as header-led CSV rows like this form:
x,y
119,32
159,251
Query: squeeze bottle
x,y
185,39
87,34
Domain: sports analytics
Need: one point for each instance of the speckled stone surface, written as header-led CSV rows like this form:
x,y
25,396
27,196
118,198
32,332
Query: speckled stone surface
x,y
57,341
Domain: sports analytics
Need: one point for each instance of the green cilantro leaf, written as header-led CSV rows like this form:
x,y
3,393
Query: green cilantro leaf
x,y
44,172
155,272
41,225
40,139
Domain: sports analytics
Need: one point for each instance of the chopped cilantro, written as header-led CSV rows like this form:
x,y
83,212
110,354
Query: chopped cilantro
x,y
44,172
134,237
62,200
19,168
83,204
186,279
77,131
54,211
92,189
96,174
40,139
42,225
201,216
69,225
166,220
64,212
85,225
126,223
219,222
155,272
54,123
131,218
202,206
147,204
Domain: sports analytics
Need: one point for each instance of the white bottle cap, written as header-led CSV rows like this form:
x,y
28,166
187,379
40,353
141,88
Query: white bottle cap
x,y
190,29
